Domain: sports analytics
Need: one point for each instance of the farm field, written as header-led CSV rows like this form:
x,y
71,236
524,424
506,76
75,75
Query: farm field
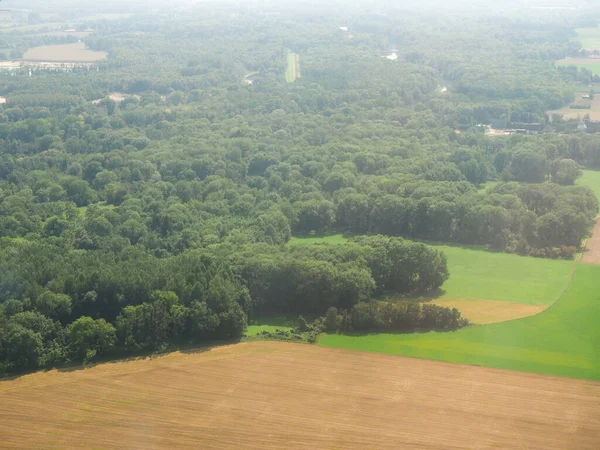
x,y
592,64
589,37
563,340
591,179
572,113
293,67
65,52
277,395
477,275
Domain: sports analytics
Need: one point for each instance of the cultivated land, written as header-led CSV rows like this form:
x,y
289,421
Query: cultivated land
x,y
64,53
482,283
592,64
293,67
276,395
591,179
589,37
563,340
573,113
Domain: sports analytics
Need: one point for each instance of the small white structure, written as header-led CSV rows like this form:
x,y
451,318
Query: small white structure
x,y
344,28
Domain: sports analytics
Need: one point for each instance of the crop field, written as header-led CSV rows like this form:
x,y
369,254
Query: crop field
x,y
277,395
293,67
478,276
589,37
591,179
592,64
64,53
564,340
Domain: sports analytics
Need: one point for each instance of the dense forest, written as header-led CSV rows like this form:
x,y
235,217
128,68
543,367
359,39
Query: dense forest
x,y
163,218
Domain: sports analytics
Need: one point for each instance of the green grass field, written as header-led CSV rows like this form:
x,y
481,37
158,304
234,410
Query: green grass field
x,y
589,64
476,273
563,341
589,37
292,72
591,178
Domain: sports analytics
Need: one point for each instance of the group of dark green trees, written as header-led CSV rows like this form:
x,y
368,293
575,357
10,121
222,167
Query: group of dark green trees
x,y
165,218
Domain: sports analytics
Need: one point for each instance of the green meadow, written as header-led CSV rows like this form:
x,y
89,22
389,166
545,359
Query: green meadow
x,y
564,340
591,178
589,37
478,273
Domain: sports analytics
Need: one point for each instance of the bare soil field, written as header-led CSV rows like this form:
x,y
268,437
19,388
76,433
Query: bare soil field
x,y
592,254
65,52
483,311
277,395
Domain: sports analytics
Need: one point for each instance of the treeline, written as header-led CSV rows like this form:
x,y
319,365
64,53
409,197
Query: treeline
x,y
66,305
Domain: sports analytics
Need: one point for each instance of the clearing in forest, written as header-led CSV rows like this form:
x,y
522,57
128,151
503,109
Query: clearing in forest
x,y
293,67
279,395
64,53
589,37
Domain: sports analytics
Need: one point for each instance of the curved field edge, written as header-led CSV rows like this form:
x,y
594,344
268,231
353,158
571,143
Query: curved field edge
x,y
265,396
564,340
480,274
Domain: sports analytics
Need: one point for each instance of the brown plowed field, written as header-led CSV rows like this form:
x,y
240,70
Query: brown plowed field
x,y
592,255
276,395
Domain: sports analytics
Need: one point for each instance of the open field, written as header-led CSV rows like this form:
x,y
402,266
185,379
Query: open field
x,y
65,52
276,395
573,113
592,64
563,340
293,67
480,274
589,37
483,311
591,179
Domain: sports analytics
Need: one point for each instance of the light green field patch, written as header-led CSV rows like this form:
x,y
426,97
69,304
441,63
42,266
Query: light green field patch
x,y
589,37
476,273
591,179
564,340
292,72
593,65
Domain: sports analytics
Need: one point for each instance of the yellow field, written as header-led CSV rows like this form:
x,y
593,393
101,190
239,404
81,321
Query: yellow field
x,y
482,311
277,395
64,53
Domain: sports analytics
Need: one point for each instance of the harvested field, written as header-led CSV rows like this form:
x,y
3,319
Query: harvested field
x,y
117,97
64,53
482,311
277,395
592,254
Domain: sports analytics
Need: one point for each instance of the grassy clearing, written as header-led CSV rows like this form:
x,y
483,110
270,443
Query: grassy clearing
x,y
293,67
563,341
589,37
480,274
591,64
271,324
483,311
591,179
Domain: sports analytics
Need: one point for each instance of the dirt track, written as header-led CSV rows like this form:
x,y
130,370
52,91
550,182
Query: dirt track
x,y
592,255
276,395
